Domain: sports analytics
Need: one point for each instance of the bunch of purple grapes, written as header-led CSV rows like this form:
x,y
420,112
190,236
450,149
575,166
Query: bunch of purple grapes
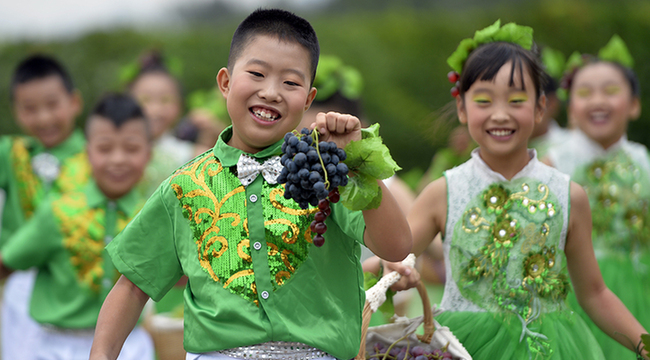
x,y
404,353
312,173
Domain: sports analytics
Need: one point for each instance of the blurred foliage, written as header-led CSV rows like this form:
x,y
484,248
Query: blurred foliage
x,y
400,48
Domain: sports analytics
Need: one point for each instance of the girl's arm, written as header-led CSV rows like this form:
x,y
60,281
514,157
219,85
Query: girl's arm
x,y
117,318
602,306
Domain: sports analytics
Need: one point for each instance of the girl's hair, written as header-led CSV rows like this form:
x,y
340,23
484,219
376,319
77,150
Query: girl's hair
x,y
629,74
153,62
485,62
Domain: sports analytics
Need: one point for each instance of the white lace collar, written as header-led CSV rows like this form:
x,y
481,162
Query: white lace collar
x,y
495,176
590,146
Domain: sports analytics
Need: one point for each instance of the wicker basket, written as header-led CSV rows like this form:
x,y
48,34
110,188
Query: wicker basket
x,y
167,335
435,336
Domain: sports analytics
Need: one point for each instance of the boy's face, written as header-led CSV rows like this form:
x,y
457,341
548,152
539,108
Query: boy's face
x,y
46,110
118,156
267,90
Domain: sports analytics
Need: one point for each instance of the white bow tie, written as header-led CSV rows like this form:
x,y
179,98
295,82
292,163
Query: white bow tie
x,y
248,168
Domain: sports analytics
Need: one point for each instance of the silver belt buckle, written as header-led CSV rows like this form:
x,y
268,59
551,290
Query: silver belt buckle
x,y
276,350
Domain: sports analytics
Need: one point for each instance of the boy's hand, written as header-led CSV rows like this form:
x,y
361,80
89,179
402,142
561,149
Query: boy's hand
x,y
410,277
339,128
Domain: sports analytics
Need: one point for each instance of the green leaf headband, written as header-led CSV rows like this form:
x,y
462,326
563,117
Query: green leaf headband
x,y
209,100
614,51
554,62
510,32
130,71
332,76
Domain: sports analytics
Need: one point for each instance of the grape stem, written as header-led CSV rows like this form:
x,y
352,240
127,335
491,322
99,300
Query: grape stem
x,y
314,136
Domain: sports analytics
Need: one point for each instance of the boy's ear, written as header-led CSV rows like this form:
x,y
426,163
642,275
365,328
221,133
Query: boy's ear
x,y
310,98
540,109
77,102
460,109
223,81
635,109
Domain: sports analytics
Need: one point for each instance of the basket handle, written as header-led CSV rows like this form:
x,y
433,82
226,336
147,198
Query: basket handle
x,y
378,293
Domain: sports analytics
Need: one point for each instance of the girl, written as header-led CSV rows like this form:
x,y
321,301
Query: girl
x,y
604,97
510,238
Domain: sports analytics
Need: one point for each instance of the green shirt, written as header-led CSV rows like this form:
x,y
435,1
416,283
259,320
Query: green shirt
x,y
65,240
254,274
24,188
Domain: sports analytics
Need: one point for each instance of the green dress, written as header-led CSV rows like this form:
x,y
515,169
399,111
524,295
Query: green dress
x,y
507,279
617,181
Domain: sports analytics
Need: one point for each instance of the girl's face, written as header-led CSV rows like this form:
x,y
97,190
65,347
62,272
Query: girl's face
x,y
159,96
501,117
602,103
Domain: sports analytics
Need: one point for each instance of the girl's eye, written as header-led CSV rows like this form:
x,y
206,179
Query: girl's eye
x,y
612,89
583,92
518,99
482,99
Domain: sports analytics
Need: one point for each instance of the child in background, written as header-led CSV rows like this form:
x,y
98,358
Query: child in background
x,y
50,159
257,285
615,172
159,94
65,238
510,238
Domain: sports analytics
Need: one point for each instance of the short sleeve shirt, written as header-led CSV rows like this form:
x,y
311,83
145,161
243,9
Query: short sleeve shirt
x,y
29,171
254,274
65,241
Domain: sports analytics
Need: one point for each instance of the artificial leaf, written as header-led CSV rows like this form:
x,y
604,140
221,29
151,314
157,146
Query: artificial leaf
x,y
486,35
616,51
359,192
457,59
554,62
352,82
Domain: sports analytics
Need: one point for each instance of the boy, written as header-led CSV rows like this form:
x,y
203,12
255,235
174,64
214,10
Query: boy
x,y
51,159
65,238
257,286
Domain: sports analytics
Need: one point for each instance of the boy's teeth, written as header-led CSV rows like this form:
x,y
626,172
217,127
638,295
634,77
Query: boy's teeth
x,y
501,132
265,115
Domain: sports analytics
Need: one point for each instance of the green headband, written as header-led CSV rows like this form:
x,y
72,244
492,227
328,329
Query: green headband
x,y
332,76
510,32
211,101
554,62
130,71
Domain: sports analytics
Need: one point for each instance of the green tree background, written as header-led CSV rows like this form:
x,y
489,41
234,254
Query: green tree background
x,y
400,48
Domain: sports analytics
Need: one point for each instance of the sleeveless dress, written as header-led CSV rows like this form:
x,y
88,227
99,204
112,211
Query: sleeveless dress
x,y
617,181
507,279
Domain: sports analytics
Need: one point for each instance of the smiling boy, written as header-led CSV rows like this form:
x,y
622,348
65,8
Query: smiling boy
x,y
64,240
257,285
50,159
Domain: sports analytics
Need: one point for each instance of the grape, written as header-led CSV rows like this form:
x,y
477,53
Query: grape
x,y
312,172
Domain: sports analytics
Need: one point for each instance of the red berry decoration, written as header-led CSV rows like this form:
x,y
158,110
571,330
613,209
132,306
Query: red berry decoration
x,y
334,196
454,91
319,240
453,76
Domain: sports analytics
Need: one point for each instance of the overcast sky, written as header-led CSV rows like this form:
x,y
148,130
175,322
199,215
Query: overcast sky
x,y
50,19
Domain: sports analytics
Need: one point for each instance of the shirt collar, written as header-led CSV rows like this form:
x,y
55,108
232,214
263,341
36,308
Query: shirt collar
x,y
593,147
96,198
74,144
229,155
532,153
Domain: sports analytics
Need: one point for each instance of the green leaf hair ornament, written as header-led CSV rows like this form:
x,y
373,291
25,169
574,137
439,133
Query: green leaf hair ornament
x,y
554,62
510,32
128,72
332,76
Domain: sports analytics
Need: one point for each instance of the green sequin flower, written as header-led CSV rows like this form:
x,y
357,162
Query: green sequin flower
x,y
496,199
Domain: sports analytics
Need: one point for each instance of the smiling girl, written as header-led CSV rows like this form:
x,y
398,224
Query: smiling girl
x,y
604,98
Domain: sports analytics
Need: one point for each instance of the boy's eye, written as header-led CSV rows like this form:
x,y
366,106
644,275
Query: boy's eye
x,y
255,73
583,92
292,83
612,89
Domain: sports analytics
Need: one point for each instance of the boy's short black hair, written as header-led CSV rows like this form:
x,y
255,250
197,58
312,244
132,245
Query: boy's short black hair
x,y
275,22
119,109
38,67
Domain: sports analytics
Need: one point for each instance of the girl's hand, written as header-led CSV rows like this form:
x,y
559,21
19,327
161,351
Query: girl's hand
x,y
336,127
410,277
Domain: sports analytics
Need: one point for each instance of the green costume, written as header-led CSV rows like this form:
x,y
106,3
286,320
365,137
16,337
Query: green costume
x,y
65,170
65,241
254,274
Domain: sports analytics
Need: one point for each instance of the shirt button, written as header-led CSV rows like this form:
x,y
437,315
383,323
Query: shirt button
x,y
253,198
257,245
108,239
265,294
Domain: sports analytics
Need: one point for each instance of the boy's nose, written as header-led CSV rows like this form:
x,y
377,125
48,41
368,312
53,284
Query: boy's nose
x,y
270,92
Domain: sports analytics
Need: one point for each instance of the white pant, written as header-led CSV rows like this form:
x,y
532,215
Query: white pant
x,y
75,345
217,356
20,333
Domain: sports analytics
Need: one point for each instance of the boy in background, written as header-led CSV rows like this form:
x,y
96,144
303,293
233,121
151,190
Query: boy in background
x,y
257,285
65,238
50,159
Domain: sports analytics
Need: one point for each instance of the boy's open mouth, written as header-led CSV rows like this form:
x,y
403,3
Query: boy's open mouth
x,y
265,114
501,132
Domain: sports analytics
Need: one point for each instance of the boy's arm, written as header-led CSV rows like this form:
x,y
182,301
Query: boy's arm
x,y
117,318
387,232
602,306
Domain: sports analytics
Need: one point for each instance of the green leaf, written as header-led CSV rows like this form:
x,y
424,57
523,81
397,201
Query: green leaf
x,y
369,280
645,339
457,59
520,35
388,307
554,62
616,51
486,35
360,192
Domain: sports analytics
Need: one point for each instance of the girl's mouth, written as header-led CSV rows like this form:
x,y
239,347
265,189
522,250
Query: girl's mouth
x,y
501,132
599,117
